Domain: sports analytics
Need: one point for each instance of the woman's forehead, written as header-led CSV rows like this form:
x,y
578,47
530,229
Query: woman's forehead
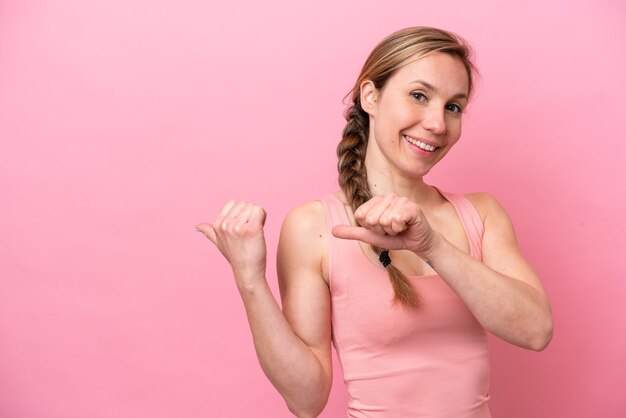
x,y
436,69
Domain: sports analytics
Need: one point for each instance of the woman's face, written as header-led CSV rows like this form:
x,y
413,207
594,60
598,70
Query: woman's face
x,y
416,117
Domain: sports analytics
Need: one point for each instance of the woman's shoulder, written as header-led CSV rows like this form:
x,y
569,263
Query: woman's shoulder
x,y
304,237
306,219
312,214
487,205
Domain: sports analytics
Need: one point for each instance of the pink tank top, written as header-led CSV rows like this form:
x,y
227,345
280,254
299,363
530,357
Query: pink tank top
x,y
431,361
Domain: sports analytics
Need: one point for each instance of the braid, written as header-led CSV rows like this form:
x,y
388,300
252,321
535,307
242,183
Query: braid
x,y
353,182
351,154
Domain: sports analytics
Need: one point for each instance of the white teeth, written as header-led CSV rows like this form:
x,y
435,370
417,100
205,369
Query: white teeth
x,y
420,144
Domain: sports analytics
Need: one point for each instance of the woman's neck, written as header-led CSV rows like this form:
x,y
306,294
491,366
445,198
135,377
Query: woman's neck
x,y
383,181
384,178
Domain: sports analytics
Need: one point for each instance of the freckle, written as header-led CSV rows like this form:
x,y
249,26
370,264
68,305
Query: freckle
x,y
320,236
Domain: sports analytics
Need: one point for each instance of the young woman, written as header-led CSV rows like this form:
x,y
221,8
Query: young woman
x,y
403,278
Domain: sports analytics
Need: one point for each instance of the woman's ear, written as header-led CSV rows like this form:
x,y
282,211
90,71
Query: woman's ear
x,y
369,96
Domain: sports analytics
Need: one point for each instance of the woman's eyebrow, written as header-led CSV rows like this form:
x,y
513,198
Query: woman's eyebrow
x,y
434,89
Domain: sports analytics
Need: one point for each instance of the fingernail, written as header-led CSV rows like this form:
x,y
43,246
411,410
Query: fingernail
x,y
196,229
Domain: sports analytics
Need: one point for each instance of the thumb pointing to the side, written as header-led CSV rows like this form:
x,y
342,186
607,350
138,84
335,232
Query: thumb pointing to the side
x,y
357,233
346,231
365,235
208,231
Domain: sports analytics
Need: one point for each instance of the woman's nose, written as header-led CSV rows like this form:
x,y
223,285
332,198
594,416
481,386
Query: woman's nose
x,y
435,120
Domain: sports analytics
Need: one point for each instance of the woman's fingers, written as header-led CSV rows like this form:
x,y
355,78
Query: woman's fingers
x,y
398,224
238,235
231,217
236,217
388,214
208,231
242,217
227,207
365,235
227,220
362,210
248,220
257,216
397,218
390,222
368,214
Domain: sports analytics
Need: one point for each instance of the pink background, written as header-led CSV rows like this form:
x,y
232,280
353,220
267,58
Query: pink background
x,y
124,123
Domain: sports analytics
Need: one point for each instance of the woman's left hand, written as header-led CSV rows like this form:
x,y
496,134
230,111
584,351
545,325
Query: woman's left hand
x,y
391,222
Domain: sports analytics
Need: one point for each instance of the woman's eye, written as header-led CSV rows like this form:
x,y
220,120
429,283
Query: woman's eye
x,y
454,108
419,96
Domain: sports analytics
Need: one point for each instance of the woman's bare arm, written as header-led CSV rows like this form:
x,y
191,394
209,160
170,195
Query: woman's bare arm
x,y
293,347
306,302
503,292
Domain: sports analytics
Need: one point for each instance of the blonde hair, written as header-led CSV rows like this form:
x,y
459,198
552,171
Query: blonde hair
x,y
387,57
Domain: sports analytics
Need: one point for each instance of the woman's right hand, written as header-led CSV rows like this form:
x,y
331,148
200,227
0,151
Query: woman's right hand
x,y
238,234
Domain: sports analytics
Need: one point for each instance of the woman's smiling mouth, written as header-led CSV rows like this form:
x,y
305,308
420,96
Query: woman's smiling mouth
x,y
420,144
